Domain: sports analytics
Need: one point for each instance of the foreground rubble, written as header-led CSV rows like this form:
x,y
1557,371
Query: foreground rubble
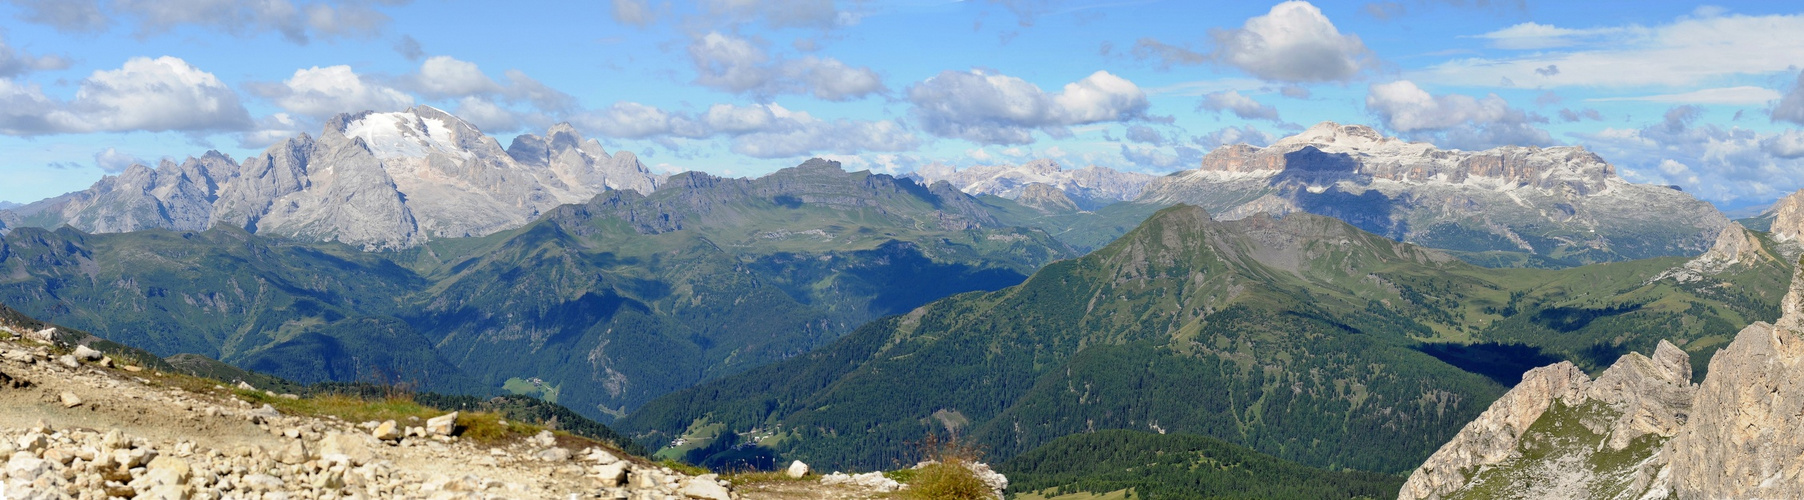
x,y
81,425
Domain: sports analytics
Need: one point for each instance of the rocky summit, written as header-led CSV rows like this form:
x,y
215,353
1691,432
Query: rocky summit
x,y
1641,429
375,180
1565,205
1089,187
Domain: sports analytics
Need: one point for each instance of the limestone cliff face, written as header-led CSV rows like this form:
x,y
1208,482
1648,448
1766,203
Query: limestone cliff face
x,y
1545,201
1641,430
1787,215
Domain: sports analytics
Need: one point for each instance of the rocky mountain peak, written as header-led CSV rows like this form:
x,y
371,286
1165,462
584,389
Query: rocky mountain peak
x,y
1334,134
1090,187
1045,198
413,133
1788,217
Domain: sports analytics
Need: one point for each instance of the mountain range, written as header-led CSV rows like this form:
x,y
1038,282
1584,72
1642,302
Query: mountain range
x,y
1302,337
1087,188
373,180
600,305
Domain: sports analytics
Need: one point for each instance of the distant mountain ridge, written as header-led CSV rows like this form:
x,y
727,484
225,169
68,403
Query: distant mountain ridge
x,y
1090,187
1564,205
374,180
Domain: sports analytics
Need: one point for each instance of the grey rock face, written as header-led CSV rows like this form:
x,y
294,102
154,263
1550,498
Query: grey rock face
x,y
1651,435
1046,198
1089,187
1537,200
376,180
171,196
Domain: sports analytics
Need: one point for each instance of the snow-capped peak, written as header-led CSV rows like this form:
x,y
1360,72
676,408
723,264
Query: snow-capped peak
x,y
406,134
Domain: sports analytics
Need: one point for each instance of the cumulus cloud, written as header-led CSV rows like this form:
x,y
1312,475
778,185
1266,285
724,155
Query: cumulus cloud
x,y
1293,42
1453,120
990,108
270,130
322,92
742,65
14,63
760,130
296,23
1691,50
1719,163
1788,144
1246,134
446,76
112,161
156,95
1791,107
1242,106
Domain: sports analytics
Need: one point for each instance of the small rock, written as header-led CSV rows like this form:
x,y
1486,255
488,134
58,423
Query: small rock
x,y
387,431
797,469
601,456
553,455
290,397
84,353
292,433
70,400
33,442
442,425
25,468
351,446
264,415
106,362
705,489
294,453
611,475
67,361
545,438
134,368
245,386
171,467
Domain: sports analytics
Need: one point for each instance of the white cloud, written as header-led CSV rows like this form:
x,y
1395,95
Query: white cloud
x,y
1293,42
1532,35
1788,144
13,63
494,118
759,130
1691,50
112,161
270,130
1246,134
1791,107
743,66
1727,95
446,76
1242,106
322,92
1719,163
154,95
990,108
1452,120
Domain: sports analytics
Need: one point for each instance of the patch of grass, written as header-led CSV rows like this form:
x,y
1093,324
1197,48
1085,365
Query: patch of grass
x,y
947,481
948,475
768,477
693,470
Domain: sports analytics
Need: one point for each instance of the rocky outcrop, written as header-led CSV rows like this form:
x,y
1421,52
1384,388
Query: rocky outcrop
x,y
1089,188
377,180
1546,201
1046,198
1735,247
1641,430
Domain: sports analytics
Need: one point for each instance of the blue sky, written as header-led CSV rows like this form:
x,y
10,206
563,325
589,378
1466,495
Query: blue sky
x,y
1704,96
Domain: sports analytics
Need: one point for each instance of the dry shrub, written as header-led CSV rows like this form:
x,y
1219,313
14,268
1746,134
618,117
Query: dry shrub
x,y
948,476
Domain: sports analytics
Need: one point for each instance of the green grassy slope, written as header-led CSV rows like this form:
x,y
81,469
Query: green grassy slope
x,y
1303,338
1180,467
